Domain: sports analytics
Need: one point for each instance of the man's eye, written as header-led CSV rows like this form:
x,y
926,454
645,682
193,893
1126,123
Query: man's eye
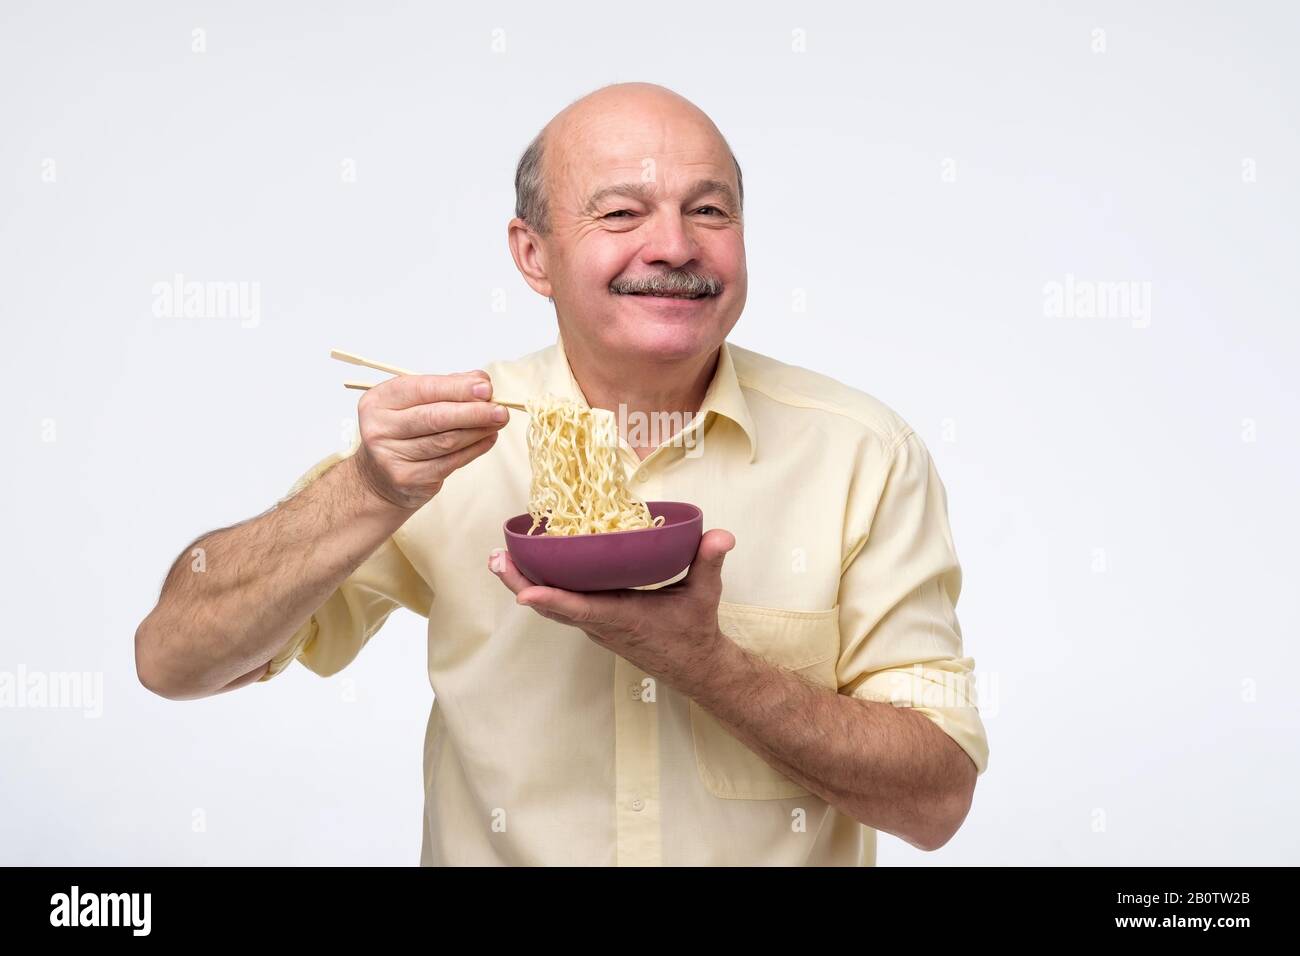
x,y
714,208
617,212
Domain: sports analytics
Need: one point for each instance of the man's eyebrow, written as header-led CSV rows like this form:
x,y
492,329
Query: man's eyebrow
x,y
644,192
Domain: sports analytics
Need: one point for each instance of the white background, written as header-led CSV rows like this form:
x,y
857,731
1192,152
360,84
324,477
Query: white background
x,y
1123,498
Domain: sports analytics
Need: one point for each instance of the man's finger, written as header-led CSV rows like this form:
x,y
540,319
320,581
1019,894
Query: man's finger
x,y
500,564
569,604
429,447
438,417
406,391
709,556
551,602
578,608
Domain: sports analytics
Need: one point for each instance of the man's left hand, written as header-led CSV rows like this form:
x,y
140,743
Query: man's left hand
x,y
670,633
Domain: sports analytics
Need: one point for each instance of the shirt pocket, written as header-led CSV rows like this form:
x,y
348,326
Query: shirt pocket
x,y
807,642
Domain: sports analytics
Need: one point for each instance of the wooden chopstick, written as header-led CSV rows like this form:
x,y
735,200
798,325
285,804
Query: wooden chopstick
x,y
348,357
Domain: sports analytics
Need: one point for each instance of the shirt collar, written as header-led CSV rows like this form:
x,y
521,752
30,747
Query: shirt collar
x,y
723,398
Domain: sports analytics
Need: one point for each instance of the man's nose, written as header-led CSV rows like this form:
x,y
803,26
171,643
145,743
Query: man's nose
x,y
670,240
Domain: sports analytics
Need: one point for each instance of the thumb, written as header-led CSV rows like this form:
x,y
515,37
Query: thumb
x,y
712,551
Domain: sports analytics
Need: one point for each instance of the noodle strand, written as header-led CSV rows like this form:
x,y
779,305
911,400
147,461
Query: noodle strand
x,y
577,479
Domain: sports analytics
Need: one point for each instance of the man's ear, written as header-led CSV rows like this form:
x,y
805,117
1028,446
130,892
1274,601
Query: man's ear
x,y
530,256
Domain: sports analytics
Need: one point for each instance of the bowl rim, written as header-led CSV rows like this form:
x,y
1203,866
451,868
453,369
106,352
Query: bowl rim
x,y
697,515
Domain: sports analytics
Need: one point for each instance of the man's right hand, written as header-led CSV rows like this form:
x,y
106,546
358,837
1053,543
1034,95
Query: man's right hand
x,y
263,578
417,429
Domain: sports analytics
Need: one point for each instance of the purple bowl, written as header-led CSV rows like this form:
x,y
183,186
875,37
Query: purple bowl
x,y
614,559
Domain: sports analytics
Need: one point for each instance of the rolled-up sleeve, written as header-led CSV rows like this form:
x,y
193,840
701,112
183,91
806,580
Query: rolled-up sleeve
x,y
337,631
901,643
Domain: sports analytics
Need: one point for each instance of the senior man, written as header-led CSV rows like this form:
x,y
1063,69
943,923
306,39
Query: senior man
x,y
800,689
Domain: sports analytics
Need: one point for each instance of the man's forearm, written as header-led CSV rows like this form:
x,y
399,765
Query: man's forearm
x,y
888,767
222,617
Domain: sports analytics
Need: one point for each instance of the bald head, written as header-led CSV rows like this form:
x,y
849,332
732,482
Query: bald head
x,y
581,123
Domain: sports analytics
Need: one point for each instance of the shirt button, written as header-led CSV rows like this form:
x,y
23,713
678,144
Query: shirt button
x,y
635,691
642,476
638,804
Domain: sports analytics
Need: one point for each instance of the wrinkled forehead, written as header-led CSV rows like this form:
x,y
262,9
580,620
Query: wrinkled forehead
x,y
600,149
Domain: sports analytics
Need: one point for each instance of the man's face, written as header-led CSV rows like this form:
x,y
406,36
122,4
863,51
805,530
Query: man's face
x,y
646,257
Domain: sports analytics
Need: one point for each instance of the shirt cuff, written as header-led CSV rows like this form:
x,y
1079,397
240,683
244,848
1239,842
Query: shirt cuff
x,y
292,647
941,690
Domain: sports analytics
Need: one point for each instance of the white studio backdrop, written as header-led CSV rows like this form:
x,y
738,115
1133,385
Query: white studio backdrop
x,y
936,193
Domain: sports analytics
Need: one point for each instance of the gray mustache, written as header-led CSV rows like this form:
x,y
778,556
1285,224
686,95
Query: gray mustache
x,y
671,283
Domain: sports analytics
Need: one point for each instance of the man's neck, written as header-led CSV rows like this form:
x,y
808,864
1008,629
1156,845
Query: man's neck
x,y
648,392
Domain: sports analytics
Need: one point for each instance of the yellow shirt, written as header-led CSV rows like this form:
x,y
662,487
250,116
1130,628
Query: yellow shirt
x,y
544,748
